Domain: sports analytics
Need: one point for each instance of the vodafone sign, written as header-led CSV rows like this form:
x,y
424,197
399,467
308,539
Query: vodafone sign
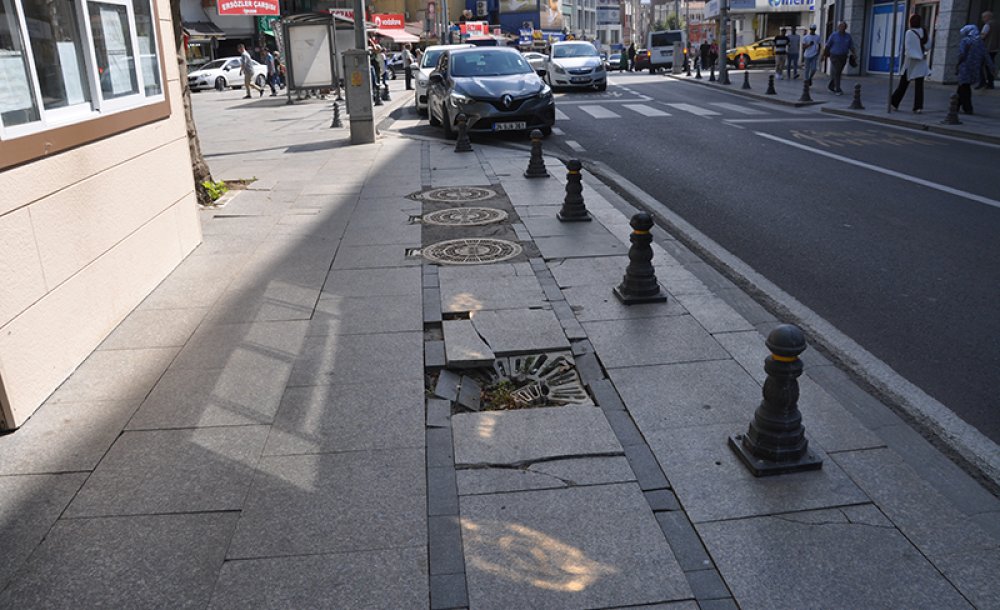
x,y
249,7
386,21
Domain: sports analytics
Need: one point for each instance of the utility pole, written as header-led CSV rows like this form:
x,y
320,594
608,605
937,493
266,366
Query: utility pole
x,y
723,30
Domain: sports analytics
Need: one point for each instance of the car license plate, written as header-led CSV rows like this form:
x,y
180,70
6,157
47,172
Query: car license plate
x,y
579,79
510,125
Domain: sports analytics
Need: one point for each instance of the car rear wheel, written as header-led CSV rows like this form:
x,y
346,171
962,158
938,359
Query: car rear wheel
x,y
603,86
652,69
220,84
546,131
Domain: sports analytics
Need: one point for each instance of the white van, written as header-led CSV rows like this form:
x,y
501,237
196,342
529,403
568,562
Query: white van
x,y
661,48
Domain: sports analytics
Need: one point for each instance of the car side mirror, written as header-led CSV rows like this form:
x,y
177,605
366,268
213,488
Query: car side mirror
x,y
226,69
414,66
436,77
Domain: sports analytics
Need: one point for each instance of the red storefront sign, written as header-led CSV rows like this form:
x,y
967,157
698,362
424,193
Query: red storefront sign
x,y
249,7
343,12
388,21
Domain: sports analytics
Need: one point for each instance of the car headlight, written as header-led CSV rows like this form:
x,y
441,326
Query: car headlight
x,y
558,69
457,99
545,92
599,68
421,82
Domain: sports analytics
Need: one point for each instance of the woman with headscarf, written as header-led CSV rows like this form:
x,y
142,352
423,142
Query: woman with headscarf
x,y
915,66
971,57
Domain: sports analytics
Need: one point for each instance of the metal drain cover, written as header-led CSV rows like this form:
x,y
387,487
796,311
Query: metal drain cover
x,y
454,194
539,380
464,217
471,251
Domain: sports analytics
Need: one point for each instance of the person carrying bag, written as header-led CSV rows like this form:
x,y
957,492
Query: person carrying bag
x,y
915,66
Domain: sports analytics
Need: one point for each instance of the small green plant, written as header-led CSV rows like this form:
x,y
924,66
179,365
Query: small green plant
x,y
500,396
215,189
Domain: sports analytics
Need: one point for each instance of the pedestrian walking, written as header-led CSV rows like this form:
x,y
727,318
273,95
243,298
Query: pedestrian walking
x,y
383,70
279,70
272,72
713,53
703,53
794,43
839,49
780,53
972,57
990,33
811,45
631,57
246,69
407,66
915,66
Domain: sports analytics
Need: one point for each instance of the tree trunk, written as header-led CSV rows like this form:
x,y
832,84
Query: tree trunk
x,y
199,168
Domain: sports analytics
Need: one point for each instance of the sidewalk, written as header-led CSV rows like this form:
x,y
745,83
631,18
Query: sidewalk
x,y
984,125
291,419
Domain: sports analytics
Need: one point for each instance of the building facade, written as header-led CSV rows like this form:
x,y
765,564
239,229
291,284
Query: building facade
x,y
98,202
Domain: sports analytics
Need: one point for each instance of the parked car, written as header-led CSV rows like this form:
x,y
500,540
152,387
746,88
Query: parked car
x,y
394,65
224,74
422,72
494,87
642,60
613,62
575,64
536,61
760,52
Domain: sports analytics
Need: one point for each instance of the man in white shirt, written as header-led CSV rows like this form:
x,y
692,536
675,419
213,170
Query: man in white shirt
x,y
407,62
246,69
811,44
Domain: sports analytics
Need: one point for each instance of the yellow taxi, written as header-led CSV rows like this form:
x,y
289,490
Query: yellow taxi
x,y
760,52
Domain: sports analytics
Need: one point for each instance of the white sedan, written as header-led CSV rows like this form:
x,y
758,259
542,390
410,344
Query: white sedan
x,y
224,73
536,61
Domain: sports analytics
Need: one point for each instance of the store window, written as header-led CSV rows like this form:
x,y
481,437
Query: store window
x,y
66,61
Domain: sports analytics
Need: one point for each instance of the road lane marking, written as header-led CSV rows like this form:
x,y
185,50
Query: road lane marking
x,y
887,172
787,120
698,110
574,145
558,132
645,110
781,108
561,116
738,109
591,102
600,112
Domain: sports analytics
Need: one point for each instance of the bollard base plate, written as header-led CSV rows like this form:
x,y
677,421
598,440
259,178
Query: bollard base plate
x,y
628,299
766,468
539,174
583,218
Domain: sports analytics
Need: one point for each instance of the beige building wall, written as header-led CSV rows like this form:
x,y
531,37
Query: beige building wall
x,y
85,235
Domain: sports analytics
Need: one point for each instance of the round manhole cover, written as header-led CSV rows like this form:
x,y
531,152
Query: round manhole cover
x,y
471,251
465,217
453,194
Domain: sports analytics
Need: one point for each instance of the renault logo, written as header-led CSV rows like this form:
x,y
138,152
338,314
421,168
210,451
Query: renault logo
x,y
507,100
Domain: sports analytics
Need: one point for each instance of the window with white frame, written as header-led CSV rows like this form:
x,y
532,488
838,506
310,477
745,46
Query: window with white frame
x,y
65,61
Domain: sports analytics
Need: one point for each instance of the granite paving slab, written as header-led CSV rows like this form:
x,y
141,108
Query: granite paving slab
x,y
713,313
975,575
337,359
583,245
402,235
335,315
392,578
748,349
463,346
155,328
794,555
521,550
452,273
354,417
259,344
687,394
266,300
115,375
552,227
526,435
712,483
64,437
601,271
623,343
829,423
519,331
331,503
525,206
29,506
372,256
172,471
124,562
390,281
594,302
555,474
489,293
238,395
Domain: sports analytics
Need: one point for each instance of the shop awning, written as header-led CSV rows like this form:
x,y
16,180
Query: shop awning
x,y
397,35
202,29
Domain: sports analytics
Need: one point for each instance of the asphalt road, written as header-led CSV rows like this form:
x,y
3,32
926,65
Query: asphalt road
x,y
905,261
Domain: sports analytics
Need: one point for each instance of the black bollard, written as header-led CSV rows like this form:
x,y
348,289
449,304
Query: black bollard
x,y
697,72
856,102
375,94
573,208
711,74
952,117
775,442
385,93
687,67
536,164
639,284
746,79
805,93
462,144
770,85
337,123
724,78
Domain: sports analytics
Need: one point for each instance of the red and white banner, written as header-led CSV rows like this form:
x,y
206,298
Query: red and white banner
x,y
249,7
475,28
387,21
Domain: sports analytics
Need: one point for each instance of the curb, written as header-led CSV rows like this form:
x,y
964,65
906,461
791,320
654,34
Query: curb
x,y
744,93
938,129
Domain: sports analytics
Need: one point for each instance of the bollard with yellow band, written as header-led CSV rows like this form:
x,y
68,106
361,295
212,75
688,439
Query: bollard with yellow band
x,y
639,284
775,442
573,209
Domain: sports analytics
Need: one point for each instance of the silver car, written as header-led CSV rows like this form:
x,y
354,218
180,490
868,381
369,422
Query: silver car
x,y
575,64
423,72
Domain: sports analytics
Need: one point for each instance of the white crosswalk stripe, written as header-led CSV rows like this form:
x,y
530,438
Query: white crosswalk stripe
x,y
600,112
561,116
696,110
574,145
645,110
738,109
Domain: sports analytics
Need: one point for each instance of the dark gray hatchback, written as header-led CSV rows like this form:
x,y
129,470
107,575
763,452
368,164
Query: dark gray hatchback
x,y
495,88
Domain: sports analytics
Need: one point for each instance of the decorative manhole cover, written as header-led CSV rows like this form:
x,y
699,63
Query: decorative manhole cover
x,y
538,380
471,251
465,217
454,194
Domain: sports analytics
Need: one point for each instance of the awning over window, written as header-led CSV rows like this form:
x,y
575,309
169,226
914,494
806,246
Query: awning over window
x,y
397,35
202,29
